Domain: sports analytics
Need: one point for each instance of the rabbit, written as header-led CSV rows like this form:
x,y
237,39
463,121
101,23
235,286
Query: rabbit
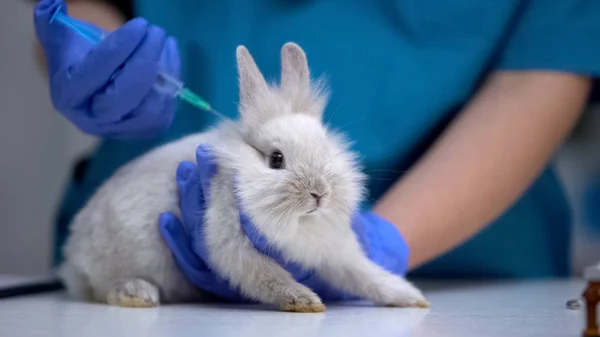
x,y
298,181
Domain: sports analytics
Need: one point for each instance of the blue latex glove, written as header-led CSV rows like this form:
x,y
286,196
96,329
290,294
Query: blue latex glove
x,y
185,240
106,90
380,240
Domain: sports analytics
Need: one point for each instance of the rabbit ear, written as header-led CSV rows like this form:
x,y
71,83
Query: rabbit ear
x,y
296,82
295,75
251,81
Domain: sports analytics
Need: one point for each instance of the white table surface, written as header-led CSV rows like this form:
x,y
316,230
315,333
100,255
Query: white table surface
x,y
461,309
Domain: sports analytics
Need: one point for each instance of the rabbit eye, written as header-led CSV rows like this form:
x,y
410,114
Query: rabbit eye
x,y
276,160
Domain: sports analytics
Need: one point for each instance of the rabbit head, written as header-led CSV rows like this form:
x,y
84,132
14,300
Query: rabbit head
x,y
297,167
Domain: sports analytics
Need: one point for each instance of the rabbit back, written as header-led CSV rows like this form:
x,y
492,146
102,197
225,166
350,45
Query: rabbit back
x,y
116,236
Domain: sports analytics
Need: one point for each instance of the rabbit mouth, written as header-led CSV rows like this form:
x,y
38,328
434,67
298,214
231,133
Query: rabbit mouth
x,y
312,210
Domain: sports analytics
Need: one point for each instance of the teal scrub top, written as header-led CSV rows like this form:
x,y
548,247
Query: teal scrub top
x,y
399,71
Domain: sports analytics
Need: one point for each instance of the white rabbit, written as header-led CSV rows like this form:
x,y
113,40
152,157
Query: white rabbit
x,y
296,179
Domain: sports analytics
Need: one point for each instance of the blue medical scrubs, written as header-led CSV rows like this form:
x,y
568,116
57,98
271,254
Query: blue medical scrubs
x,y
399,71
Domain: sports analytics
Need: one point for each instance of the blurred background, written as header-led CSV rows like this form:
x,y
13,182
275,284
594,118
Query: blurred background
x,y
37,157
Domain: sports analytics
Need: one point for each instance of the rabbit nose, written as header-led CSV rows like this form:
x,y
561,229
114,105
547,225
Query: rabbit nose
x,y
317,198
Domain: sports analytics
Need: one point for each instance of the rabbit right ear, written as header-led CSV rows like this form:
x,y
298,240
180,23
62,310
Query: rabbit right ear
x,y
251,81
305,96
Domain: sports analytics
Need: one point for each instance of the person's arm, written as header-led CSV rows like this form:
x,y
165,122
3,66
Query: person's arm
x,y
485,160
99,13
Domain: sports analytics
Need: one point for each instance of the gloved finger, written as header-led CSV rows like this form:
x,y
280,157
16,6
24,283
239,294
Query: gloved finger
x,y
153,116
191,201
207,168
170,59
94,71
134,80
179,244
56,40
259,241
382,242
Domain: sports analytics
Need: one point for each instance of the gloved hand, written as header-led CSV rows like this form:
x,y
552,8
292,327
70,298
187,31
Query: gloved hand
x,y
106,90
185,240
380,240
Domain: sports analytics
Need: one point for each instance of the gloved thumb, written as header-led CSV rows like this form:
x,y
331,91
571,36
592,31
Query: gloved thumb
x,y
207,168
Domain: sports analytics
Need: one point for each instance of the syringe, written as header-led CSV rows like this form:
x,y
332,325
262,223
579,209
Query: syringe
x,y
164,83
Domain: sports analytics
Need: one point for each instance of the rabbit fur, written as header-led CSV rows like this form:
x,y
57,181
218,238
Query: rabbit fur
x,y
115,253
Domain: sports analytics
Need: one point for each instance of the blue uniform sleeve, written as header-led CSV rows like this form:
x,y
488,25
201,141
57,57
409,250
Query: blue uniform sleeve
x,y
555,35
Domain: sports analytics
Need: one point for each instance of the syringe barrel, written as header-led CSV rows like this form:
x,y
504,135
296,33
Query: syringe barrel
x,y
168,85
88,32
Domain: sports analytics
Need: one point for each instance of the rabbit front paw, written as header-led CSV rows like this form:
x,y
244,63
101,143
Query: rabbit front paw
x,y
407,297
301,300
134,293
409,303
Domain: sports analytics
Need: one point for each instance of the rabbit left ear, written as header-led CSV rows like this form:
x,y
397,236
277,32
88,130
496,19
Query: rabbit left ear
x,y
251,81
296,83
257,101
